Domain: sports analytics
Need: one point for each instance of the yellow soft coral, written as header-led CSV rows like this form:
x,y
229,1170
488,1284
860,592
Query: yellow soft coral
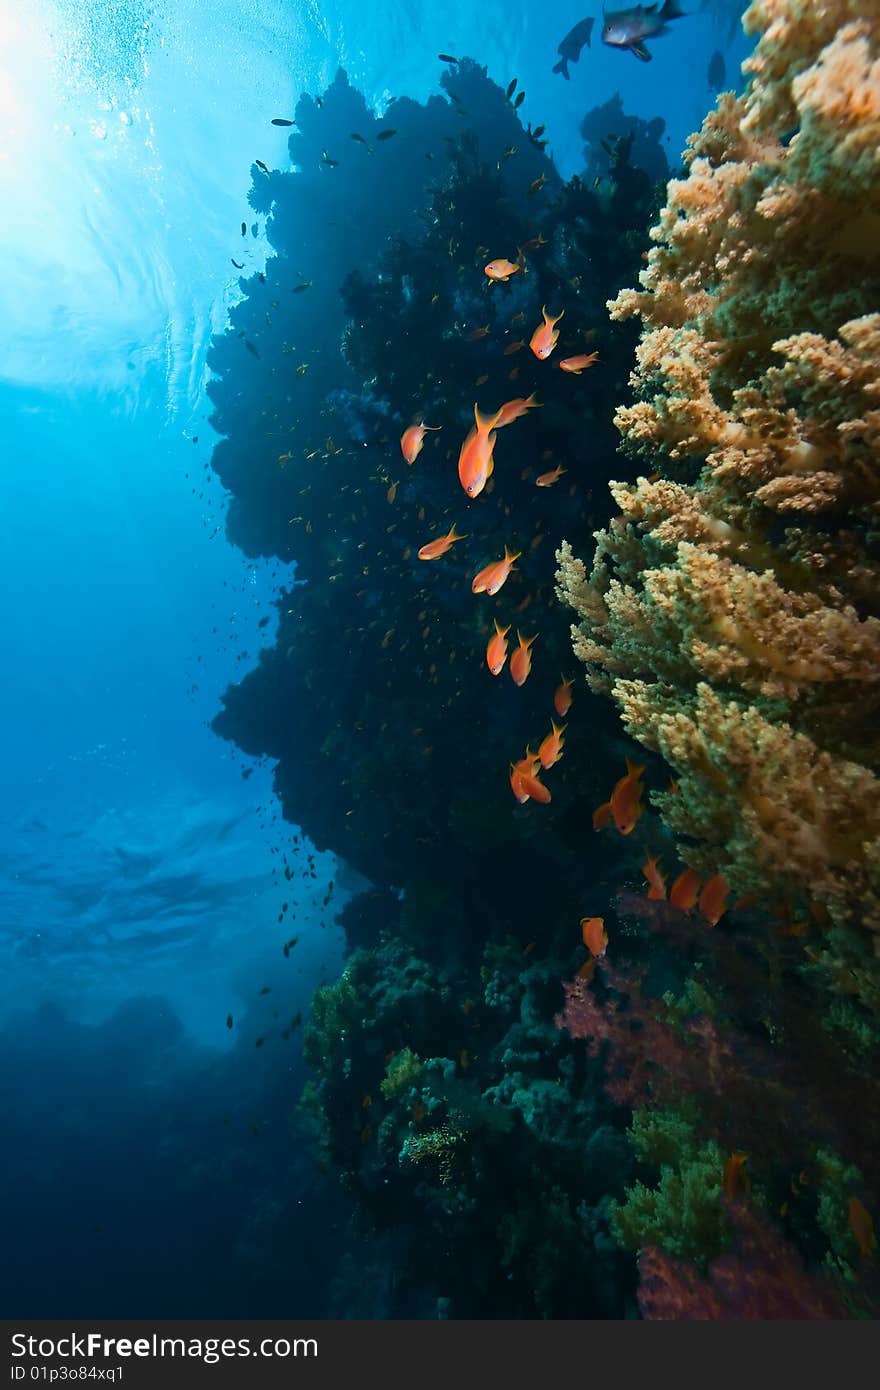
x,y
733,607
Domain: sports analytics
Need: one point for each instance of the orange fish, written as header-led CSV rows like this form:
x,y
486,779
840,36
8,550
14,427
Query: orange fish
x,y
478,333
546,335
526,767
587,970
521,661
862,1227
514,347
412,440
491,577
685,890
534,788
656,880
434,549
594,935
550,750
512,410
496,651
713,899
580,363
562,698
733,1180
548,479
625,805
502,269
534,242
476,461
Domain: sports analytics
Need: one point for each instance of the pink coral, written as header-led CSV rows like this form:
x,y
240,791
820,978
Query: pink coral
x,y
761,1278
646,1058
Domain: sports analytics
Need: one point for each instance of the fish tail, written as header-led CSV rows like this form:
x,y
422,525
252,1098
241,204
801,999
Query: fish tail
x,y
531,400
562,66
672,10
509,557
634,769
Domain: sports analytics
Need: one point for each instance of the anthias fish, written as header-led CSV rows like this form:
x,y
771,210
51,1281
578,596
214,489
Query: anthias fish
x,y
570,48
629,28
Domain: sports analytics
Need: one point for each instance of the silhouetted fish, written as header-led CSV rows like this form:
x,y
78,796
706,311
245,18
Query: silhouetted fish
x,y
280,120
571,45
629,28
717,72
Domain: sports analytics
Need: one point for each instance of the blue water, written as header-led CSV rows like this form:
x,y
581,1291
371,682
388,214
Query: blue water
x,y
141,871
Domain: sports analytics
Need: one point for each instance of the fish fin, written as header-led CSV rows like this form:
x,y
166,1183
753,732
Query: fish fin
x,y
487,422
634,769
672,10
639,50
602,816
562,66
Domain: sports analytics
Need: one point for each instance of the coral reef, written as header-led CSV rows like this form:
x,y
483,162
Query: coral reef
x,y
506,1163
732,606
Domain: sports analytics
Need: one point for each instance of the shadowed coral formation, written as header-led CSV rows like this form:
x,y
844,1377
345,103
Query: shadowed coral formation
x,y
732,607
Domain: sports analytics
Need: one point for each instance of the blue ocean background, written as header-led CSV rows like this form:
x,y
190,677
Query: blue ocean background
x,y
154,1163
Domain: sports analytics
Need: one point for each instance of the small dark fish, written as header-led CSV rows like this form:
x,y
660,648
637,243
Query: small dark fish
x,y
296,1020
229,1020
571,45
239,265
244,229
537,184
538,131
254,229
319,102
717,72
265,990
298,289
386,134
250,347
629,28
259,1042
360,139
260,165
520,98
447,58
331,163
511,88
280,120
